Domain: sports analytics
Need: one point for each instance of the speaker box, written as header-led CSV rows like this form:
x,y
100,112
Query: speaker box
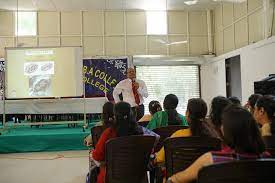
x,y
266,86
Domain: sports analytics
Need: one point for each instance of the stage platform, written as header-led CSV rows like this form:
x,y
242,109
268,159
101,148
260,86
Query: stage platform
x,y
17,139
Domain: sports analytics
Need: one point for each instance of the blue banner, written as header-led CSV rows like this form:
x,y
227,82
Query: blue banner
x,y
102,75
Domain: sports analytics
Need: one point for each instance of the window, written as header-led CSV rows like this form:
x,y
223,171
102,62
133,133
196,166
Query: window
x,y
26,23
182,81
156,22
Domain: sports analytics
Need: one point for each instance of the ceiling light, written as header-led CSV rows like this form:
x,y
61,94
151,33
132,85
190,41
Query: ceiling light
x,y
191,2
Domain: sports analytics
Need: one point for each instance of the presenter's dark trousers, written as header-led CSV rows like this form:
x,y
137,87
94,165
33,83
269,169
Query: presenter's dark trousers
x,y
138,111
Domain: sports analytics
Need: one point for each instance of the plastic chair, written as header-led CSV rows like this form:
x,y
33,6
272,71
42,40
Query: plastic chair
x,y
249,171
126,159
181,152
165,132
270,144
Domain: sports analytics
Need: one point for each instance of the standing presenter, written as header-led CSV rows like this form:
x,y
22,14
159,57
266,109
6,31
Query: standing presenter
x,y
133,91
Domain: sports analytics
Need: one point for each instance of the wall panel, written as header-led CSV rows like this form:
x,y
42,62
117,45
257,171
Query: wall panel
x,y
6,24
136,22
93,23
48,23
70,23
177,22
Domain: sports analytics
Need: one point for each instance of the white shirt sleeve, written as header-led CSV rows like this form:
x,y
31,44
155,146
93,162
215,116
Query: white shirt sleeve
x,y
117,91
142,90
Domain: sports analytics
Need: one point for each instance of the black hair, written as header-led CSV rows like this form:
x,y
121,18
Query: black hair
x,y
235,100
125,122
108,114
267,102
197,109
217,106
154,106
253,99
241,132
170,104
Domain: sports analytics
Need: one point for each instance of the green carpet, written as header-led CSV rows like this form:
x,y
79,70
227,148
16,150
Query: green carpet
x,y
46,138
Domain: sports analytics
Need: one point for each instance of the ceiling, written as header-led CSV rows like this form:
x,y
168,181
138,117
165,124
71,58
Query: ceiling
x,y
72,5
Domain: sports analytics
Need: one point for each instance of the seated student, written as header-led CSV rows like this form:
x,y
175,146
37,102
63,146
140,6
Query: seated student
x,y
217,106
235,100
195,116
107,120
169,116
264,113
154,106
241,134
250,105
124,125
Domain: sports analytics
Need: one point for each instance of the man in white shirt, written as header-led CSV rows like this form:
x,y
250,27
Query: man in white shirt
x,y
133,91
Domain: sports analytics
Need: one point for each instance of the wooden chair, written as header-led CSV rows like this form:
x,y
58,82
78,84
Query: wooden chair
x,y
126,159
165,132
243,171
96,132
270,144
181,152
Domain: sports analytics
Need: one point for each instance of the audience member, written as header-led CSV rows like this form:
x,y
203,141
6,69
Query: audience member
x,y
107,120
217,106
124,125
250,105
195,116
154,106
235,100
169,116
264,113
241,134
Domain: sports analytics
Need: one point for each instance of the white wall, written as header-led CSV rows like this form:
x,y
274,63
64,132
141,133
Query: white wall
x,y
213,80
257,62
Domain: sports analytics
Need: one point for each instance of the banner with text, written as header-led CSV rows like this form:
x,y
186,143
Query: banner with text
x,y
102,75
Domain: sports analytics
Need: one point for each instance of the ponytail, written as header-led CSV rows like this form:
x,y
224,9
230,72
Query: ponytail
x,y
173,117
196,126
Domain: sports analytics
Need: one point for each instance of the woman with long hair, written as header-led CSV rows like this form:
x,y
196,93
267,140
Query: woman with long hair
x,y
198,126
218,104
107,117
250,105
124,125
169,116
240,133
264,114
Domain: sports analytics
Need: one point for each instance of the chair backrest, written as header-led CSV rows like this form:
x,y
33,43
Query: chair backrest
x,y
181,152
96,132
270,144
165,132
250,171
127,158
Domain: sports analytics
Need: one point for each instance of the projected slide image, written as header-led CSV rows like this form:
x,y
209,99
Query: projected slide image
x,y
44,72
39,68
40,85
